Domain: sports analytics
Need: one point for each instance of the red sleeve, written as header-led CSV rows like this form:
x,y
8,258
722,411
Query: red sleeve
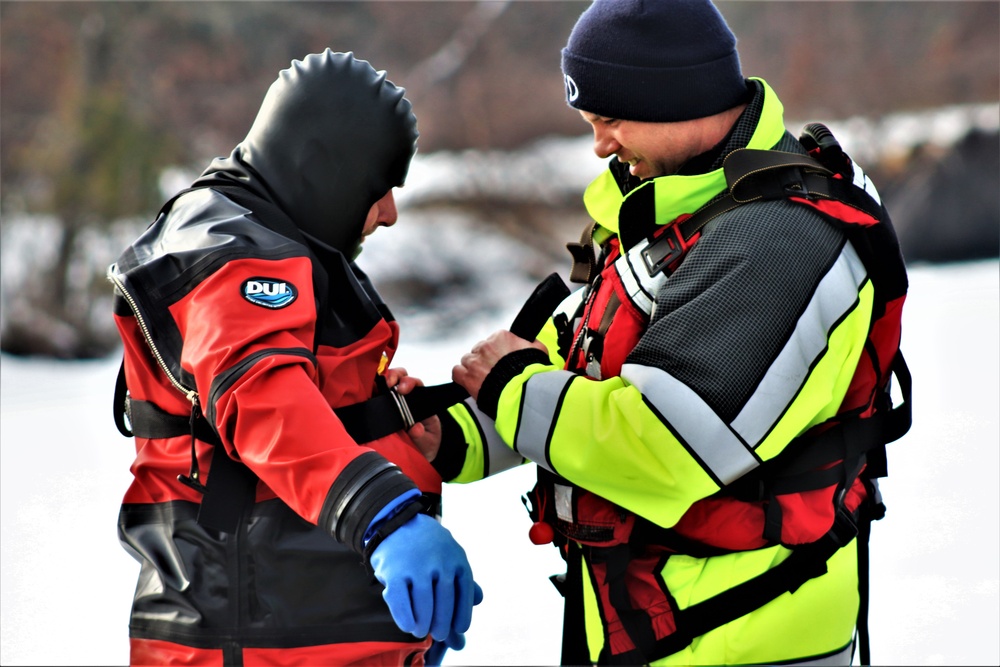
x,y
257,379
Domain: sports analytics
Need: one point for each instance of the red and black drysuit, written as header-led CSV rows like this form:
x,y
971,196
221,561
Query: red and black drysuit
x,y
245,322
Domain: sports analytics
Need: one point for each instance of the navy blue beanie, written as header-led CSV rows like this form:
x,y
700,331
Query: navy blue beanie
x,y
652,60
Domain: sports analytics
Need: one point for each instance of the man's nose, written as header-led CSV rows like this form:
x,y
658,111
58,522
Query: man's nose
x,y
605,145
387,213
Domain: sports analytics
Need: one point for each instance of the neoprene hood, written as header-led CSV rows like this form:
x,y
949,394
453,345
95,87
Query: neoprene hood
x,y
331,138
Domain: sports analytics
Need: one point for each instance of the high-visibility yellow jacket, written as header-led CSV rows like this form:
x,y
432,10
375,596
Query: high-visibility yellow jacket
x,y
673,389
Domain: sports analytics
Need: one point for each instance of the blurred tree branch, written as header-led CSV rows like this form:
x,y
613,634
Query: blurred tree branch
x,y
453,55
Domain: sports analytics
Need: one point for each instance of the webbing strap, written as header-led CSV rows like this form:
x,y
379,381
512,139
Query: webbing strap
x,y
365,421
584,263
574,633
804,563
120,407
864,533
390,412
801,467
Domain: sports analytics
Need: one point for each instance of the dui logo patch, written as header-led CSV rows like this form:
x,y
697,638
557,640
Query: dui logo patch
x,y
268,292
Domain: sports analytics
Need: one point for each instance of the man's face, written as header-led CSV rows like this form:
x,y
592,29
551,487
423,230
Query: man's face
x,y
650,149
382,214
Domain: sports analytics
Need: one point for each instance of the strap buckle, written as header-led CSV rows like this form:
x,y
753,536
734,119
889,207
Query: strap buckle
x,y
663,251
404,409
844,528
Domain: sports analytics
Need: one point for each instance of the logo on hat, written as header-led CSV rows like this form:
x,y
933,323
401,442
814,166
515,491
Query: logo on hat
x,y
572,92
268,292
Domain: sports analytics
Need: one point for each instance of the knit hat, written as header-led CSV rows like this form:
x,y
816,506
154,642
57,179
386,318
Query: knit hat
x,y
652,60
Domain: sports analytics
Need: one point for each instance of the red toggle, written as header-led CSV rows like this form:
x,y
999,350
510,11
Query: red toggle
x,y
540,533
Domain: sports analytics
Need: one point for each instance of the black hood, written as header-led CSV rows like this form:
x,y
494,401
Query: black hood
x,y
332,137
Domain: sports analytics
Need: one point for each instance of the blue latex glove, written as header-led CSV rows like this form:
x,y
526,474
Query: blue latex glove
x,y
428,581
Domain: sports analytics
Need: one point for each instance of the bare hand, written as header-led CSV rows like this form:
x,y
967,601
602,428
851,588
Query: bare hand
x,y
478,363
426,434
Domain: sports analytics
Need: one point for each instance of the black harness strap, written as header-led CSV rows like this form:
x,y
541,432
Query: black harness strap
x,y
798,468
864,533
389,412
538,307
574,632
231,493
804,563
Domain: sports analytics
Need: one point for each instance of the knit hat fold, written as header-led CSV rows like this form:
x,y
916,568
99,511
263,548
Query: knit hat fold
x,y
652,60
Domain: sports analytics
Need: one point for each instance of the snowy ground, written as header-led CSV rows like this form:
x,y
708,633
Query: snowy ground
x,y
66,584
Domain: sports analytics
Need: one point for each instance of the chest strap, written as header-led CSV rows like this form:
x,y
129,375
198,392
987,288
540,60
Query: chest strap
x,y
233,484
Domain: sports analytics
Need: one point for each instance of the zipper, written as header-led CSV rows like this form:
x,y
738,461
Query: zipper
x,y
193,478
115,277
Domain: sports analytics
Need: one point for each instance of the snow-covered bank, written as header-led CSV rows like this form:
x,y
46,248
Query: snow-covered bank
x,y
66,584
448,209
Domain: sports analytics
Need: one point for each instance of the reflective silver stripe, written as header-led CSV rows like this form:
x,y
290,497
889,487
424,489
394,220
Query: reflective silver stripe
x,y
845,656
542,394
571,304
498,456
564,502
835,296
639,285
720,450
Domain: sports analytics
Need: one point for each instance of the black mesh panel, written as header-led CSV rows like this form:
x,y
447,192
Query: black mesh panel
x,y
721,318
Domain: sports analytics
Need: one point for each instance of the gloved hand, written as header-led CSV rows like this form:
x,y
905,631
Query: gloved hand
x,y
428,581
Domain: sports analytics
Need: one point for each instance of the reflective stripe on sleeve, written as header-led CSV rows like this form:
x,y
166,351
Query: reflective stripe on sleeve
x,y
497,456
835,297
722,453
540,402
727,450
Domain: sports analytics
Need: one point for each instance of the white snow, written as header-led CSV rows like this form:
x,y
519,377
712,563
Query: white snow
x,y
67,584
